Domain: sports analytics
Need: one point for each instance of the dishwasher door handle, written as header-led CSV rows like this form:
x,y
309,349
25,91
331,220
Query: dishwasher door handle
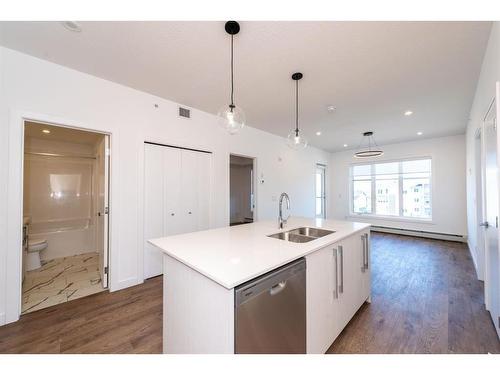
x,y
278,288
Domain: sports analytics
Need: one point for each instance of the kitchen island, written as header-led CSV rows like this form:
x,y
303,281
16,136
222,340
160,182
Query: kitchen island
x,y
202,269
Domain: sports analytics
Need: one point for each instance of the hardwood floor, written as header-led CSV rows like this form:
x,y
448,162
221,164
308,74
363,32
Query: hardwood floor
x,y
127,321
425,299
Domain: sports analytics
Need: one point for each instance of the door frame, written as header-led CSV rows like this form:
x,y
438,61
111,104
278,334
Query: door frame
x,y
492,107
478,184
228,186
14,253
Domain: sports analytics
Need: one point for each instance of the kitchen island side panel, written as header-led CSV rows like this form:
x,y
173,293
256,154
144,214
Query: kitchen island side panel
x,y
198,313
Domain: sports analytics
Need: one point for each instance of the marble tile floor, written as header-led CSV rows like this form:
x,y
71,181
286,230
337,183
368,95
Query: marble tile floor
x,y
61,280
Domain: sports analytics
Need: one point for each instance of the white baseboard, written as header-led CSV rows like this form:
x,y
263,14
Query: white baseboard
x,y
126,283
418,233
2,319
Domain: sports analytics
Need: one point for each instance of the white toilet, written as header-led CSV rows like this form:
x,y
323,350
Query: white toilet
x,y
33,256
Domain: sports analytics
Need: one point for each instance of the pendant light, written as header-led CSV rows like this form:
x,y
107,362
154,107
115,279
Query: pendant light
x,y
368,152
295,140
232,117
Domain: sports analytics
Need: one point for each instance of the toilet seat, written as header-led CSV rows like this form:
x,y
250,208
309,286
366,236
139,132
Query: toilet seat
x,y
37,245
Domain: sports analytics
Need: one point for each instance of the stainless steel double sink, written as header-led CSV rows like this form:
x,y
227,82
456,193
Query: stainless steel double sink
x,y
302,234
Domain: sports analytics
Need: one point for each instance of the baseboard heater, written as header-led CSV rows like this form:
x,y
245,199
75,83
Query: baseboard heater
x,y
420,233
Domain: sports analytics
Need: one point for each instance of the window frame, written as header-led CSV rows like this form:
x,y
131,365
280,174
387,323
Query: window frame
x,y
323,197
399,217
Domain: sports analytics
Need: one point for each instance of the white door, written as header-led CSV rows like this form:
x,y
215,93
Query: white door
x,y
189,187
103,209
172,166
490,207
203,190
154,202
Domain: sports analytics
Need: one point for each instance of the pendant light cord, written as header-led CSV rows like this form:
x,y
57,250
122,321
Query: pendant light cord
x,y
232,78
296,108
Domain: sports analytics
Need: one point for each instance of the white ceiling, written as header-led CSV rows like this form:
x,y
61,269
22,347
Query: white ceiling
x,y
372,72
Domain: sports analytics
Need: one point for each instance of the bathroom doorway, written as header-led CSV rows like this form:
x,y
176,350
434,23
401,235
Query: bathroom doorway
x,y
241,190
65,215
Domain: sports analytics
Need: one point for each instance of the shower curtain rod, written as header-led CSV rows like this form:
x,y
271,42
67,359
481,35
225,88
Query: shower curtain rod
x,y
59,155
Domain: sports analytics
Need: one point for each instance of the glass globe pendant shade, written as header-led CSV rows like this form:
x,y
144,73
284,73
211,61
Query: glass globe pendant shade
x,y
231,118
296,141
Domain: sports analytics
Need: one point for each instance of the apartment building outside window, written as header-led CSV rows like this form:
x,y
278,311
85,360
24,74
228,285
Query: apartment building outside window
x,y
392,189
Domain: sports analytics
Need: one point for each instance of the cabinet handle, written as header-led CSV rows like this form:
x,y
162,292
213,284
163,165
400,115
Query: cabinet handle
x,y
172,214
336,290
364,252
341,286
367,257
190,212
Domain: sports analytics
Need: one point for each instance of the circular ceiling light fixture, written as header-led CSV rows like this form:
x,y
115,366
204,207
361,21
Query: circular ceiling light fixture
x,y
294,139
72,26
318,133
408,113
372,150
331,108
419,133
232,117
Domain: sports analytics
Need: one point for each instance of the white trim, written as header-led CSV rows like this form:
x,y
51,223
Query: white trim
x,y
423,234
390,218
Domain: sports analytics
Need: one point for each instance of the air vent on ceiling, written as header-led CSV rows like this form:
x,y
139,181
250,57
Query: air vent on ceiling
x,y
184,112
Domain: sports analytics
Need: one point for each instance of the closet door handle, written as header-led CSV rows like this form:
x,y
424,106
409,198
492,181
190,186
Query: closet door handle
x,y
341,286
336,290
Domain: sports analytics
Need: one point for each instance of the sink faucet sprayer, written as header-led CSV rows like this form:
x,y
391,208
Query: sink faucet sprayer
x,y
282,221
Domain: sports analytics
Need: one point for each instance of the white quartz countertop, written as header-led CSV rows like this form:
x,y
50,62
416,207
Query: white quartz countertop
x,y
233,255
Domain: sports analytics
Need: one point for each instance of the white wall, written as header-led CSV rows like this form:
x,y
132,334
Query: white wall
x,y
485,93
41,90
448,190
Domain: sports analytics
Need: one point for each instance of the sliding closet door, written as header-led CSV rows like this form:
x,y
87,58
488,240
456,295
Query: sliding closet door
x,y
154,203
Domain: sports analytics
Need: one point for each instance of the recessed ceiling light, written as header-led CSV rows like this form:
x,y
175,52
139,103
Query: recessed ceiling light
x,y
318,133
345,144
46,131
419,133
72,26
331,108
408,113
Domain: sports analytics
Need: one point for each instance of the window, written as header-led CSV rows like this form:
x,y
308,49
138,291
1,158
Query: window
x,y
320,191
400,188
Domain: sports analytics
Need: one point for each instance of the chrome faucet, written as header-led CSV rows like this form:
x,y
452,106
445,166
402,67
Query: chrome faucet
x,y
282,221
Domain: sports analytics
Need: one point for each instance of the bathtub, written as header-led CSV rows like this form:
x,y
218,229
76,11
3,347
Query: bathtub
x,y
64,237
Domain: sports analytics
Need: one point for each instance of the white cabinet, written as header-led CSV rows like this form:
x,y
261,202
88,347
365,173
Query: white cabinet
x,y
337,285
176,197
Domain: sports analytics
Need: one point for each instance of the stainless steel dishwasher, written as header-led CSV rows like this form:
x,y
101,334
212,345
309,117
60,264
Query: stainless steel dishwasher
x,y
270,312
